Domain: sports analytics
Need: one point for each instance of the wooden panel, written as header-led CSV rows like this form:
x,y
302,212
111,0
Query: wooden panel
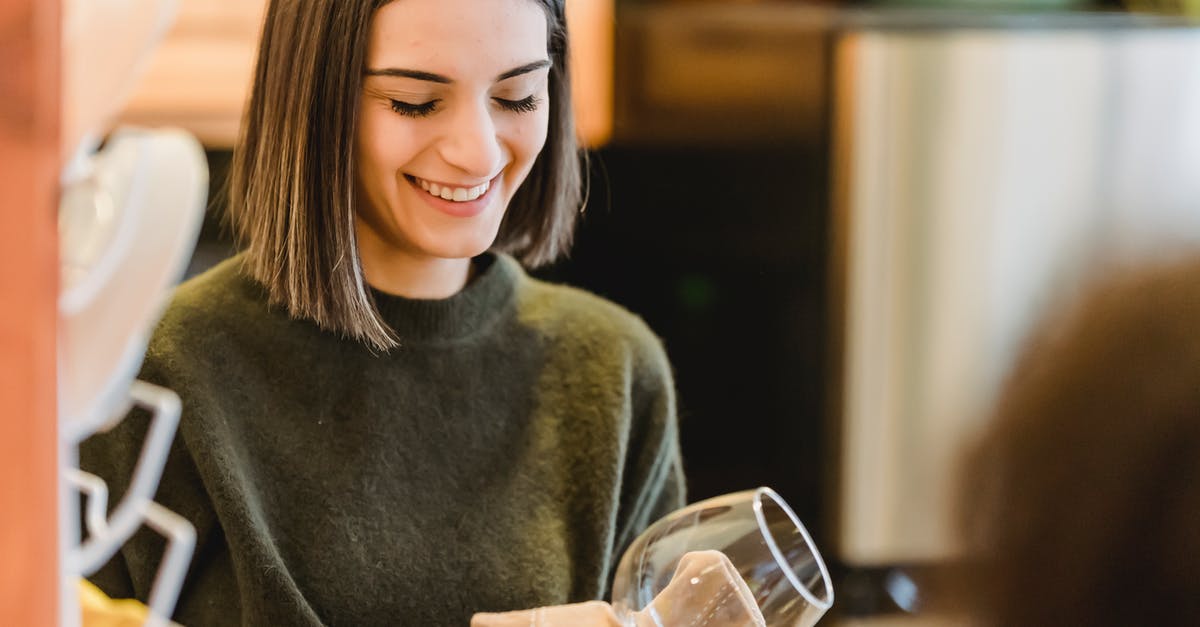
x,y
695,73
591,25
199,77
29,31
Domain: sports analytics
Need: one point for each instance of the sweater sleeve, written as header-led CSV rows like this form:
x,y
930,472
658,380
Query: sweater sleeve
x,y
113,456
653,484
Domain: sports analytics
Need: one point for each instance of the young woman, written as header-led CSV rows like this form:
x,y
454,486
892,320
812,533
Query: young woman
x,y
385,421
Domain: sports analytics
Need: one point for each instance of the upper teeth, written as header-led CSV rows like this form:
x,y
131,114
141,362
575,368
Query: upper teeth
x,y
457,194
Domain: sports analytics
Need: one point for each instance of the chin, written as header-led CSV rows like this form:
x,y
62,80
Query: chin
x,y
461,248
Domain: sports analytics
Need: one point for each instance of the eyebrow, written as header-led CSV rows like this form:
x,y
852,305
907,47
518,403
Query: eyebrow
x,y
445,80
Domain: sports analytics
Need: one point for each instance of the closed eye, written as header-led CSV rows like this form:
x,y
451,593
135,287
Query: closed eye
x,y
528,104
414,110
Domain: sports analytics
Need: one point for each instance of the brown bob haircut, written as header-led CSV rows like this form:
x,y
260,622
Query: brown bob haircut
x,y
292,180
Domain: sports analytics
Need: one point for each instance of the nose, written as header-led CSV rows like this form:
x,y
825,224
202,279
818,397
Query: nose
x,y
471,143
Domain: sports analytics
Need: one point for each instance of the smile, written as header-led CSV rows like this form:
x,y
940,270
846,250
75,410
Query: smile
x,y
454,194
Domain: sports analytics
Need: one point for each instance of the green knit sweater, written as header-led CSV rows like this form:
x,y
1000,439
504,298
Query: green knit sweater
x,y
501,458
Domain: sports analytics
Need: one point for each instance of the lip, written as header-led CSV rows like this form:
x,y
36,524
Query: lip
x,y
465,209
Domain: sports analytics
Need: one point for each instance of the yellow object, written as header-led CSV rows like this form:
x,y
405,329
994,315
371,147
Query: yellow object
x,y
101,611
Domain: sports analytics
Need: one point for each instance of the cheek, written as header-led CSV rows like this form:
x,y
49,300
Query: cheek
x,y
530,136
543,129
384,142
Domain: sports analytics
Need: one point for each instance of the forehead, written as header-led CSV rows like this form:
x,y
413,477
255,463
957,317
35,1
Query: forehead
x,y
457,36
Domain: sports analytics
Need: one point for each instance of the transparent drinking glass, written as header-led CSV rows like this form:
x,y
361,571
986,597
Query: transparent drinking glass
x,y
737,559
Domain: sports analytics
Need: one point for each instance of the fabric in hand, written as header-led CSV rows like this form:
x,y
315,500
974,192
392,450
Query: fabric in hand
x,y
705,591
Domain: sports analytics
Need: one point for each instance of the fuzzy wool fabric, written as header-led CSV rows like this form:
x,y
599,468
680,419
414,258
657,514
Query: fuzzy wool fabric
x,y
500,459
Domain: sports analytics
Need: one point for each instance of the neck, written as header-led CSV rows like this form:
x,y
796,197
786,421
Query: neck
x,y
412,276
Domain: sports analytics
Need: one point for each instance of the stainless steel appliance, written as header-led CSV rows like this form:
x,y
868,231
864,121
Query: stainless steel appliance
x,y
985,169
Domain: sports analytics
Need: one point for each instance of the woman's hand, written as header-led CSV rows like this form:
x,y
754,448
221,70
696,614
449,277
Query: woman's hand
x,y
706,590
589,614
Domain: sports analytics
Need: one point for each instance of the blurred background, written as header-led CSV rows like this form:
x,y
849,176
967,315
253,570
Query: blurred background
x,y
841,218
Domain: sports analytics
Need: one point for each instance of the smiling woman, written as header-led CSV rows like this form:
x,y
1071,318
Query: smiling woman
x,y
448,94
445,141
385,420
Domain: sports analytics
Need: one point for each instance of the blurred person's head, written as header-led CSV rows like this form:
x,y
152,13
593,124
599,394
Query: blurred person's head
x,y
1082,502
386,133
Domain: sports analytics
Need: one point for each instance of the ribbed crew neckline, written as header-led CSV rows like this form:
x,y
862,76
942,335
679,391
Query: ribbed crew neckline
x,y
484,300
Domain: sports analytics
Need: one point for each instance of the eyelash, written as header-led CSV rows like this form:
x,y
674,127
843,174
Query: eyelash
x,y
529,104
414,110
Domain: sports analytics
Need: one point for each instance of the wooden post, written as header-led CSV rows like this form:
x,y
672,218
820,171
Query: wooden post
x,y
591,24
29,88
